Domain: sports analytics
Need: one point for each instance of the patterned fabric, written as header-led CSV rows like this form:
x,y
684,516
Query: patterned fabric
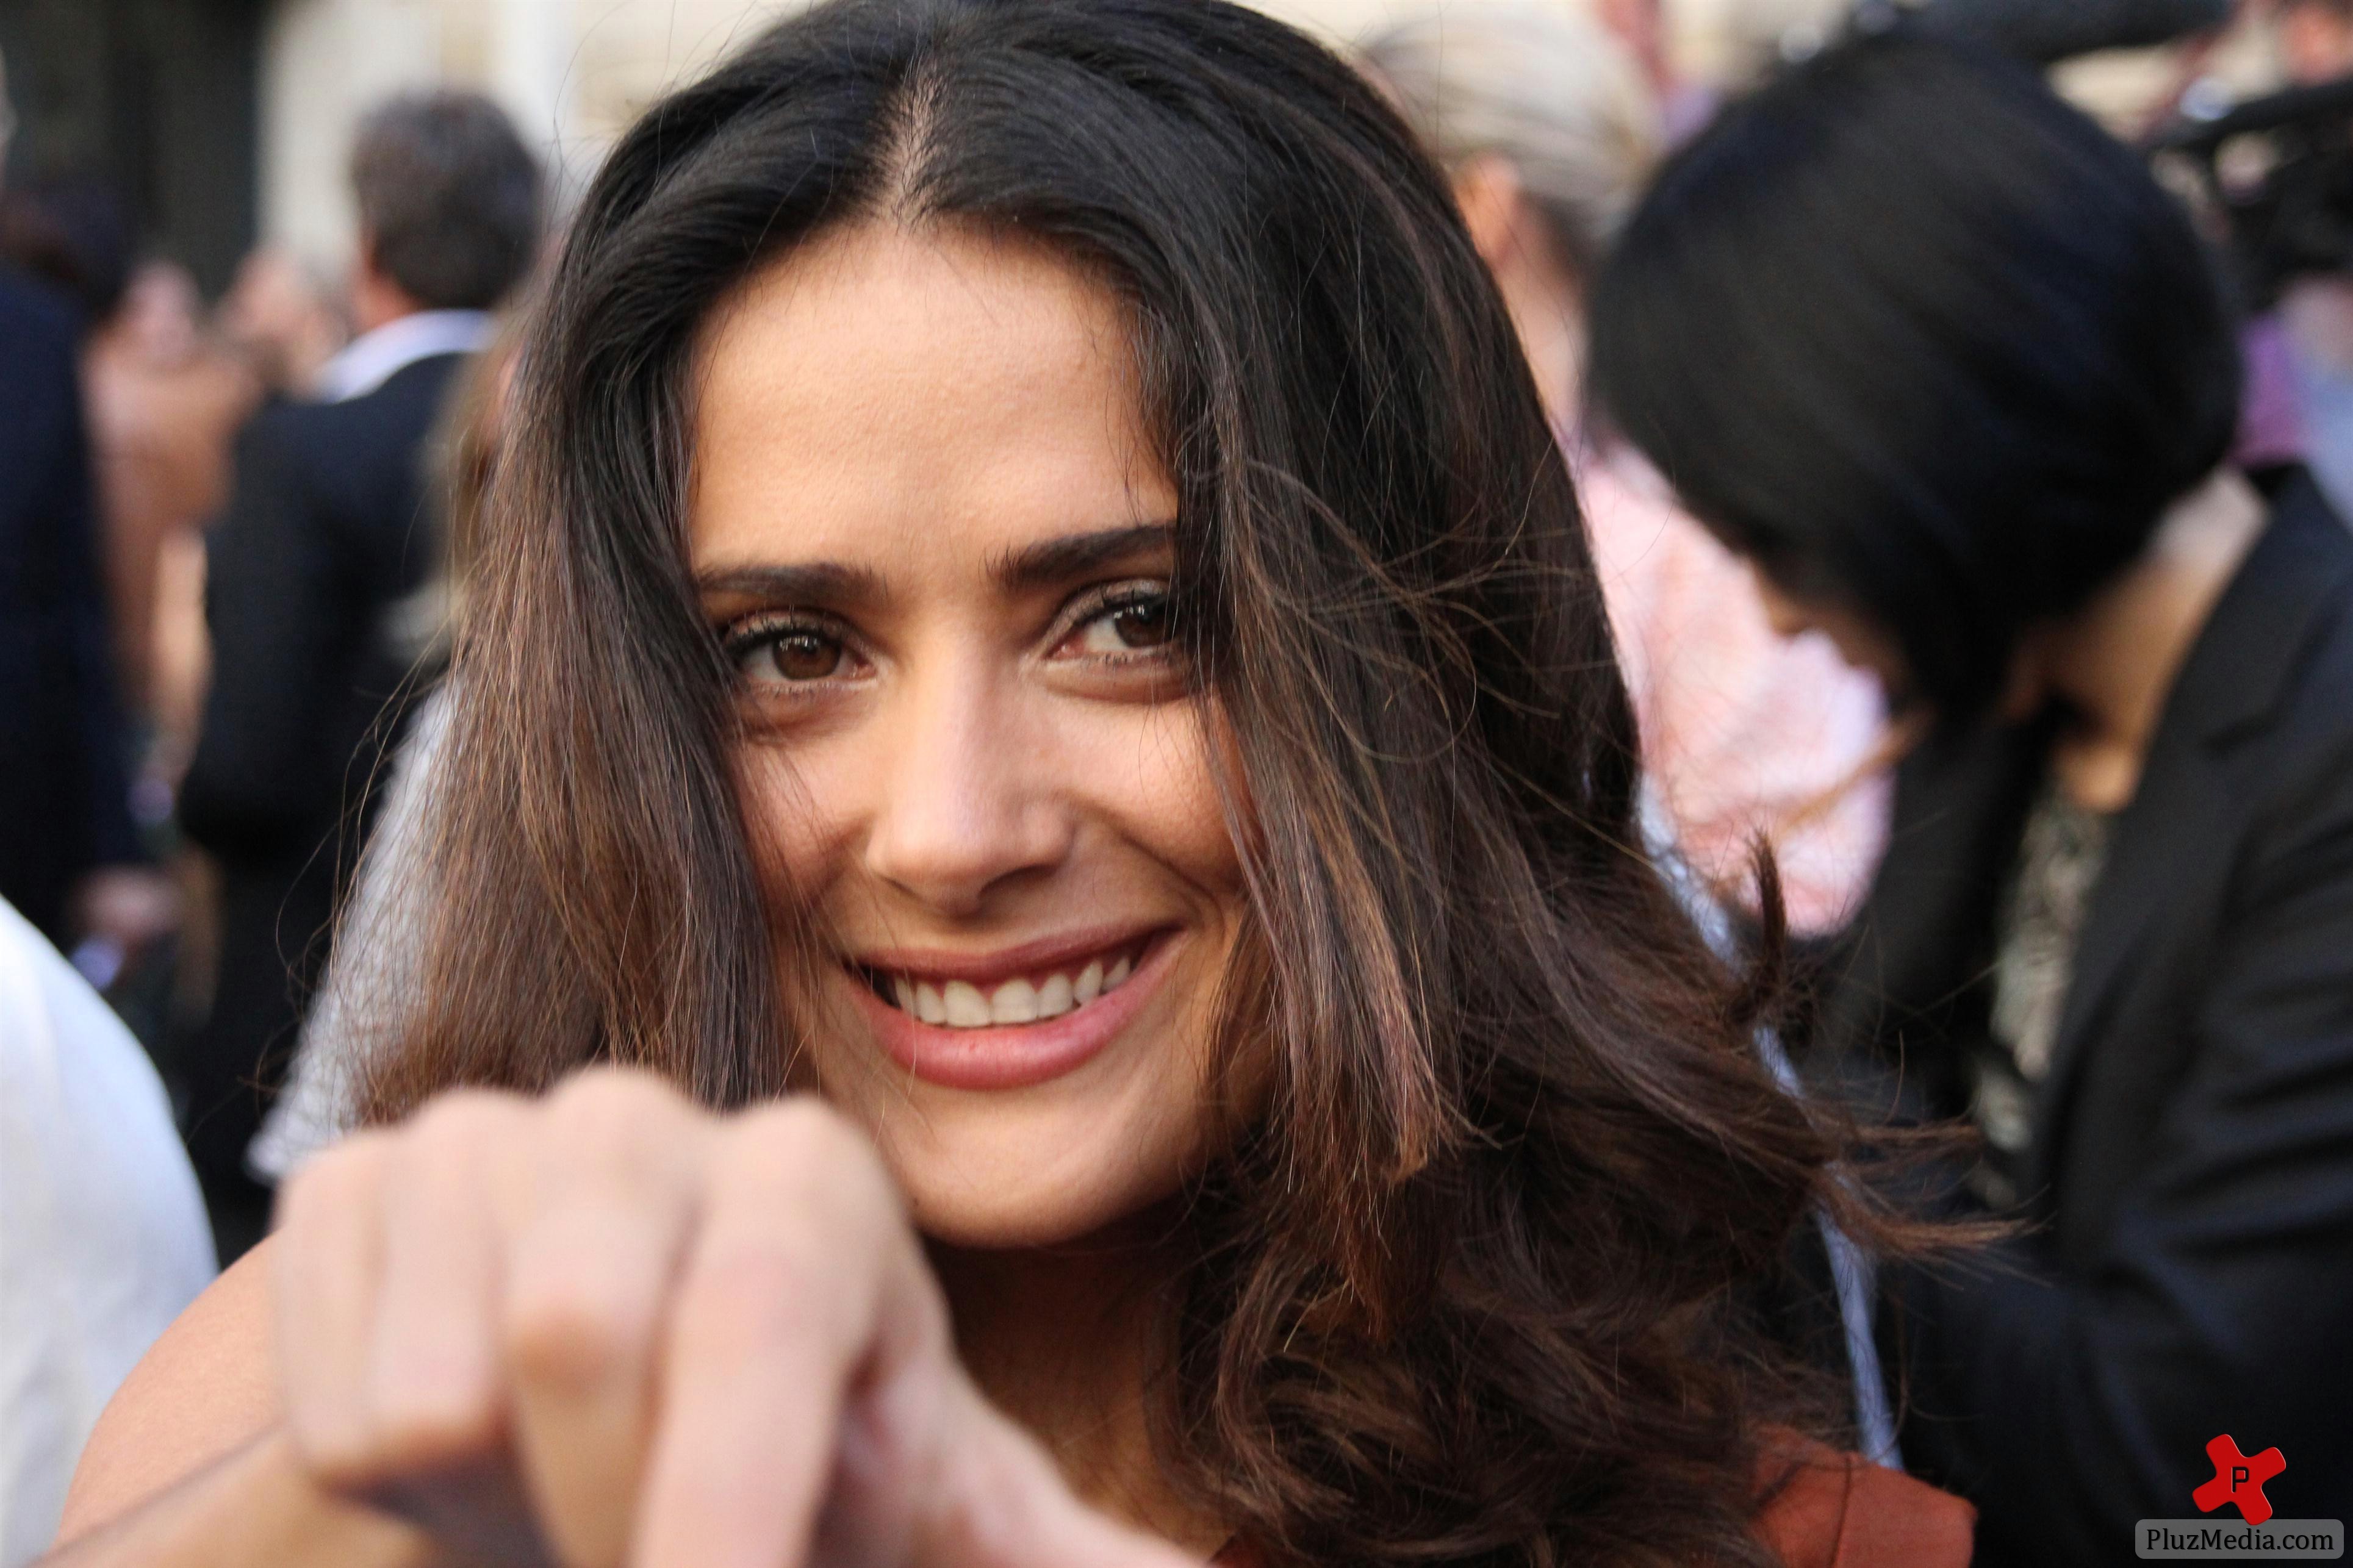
x,y
2059,862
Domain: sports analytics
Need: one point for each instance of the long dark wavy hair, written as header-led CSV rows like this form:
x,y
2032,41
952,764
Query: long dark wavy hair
x,y
1470,1290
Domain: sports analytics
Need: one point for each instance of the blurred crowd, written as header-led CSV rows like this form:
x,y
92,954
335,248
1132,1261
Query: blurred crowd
x,y
225,533
233,531
253,488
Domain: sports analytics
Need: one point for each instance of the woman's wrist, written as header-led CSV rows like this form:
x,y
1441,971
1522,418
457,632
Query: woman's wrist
x,y
256,1504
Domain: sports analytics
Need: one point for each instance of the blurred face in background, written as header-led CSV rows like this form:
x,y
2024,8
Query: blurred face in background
x,y
937,545
2315,41
1642,26
1547,124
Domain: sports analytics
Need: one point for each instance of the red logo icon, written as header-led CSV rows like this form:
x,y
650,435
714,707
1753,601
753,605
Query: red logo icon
x,y
2238,1480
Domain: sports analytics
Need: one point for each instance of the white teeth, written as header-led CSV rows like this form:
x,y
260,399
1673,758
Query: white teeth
x,y
1055,997
960,1004
966,1007
1015,1002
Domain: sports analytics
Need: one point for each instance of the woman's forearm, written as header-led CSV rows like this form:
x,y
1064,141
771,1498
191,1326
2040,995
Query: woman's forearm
x,y
253,1506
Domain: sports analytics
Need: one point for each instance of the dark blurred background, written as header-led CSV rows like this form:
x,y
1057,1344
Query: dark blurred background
x,y
157,101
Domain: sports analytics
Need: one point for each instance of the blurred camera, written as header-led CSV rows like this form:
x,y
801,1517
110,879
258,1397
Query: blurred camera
x,y
2274,178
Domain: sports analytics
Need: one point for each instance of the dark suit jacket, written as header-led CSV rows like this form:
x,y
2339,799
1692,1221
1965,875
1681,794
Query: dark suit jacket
x,y
2047,31
2192,1269
327,530
64,805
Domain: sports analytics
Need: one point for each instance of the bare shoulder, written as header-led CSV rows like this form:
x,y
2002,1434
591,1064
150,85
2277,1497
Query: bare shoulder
x,y
206,1388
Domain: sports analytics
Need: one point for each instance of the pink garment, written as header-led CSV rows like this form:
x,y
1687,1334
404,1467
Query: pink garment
x,y
1742,732
2271,421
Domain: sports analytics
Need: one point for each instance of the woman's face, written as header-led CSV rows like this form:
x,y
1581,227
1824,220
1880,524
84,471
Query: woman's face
x,y
932,532
1859,641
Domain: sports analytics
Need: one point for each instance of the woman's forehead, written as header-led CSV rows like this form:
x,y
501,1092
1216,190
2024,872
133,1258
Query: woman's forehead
x,y
882,389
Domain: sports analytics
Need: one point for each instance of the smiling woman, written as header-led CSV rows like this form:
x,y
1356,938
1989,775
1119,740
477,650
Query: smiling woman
x,y
1041,677
936,541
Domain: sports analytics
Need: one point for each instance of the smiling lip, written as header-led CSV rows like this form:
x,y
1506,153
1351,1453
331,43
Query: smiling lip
x,y
1008,1055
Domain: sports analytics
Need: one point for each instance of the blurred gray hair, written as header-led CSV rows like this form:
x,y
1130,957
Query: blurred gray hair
x,y
1540,85
449,197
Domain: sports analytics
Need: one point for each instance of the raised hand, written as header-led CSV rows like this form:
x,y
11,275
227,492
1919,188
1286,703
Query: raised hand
x,y
609,1328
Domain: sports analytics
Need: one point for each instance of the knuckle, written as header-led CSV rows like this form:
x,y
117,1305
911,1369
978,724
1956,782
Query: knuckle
x,y
743,1297
793,1193
460,1122
337,1456
807,1181
330,1185
797,1143
423,1429
620,1122
397,1430
567,1330
609,1106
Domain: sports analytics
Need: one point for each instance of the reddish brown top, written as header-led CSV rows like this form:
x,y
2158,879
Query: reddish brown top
x,y
1840,1511
1828,1509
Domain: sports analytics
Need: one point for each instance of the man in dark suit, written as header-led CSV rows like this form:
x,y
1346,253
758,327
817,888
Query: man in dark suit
x,y
2048,31
1953,372
65,812
328,538
64,805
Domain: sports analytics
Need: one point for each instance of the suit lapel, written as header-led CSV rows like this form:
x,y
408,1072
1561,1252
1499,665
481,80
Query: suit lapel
x,y
2184,812
2181,813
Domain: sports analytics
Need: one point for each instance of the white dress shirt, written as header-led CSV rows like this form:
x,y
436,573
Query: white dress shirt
x,y
373,358
102,1235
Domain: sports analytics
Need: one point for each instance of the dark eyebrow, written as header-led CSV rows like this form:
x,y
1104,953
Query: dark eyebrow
x,y
819,582
1047,563
1052,563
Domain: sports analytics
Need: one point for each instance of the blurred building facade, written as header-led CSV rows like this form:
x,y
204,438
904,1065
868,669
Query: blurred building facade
x,y
158,101
225,121
573,72
222,122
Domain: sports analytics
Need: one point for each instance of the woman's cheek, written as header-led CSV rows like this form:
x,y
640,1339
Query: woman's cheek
x,y
1168,799
1171,807
791,813
800,843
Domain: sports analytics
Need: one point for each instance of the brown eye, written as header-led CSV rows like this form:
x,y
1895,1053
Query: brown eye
x,y
804,655
1142,625
788,651
1140,622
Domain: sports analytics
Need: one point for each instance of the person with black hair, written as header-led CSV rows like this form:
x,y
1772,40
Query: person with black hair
x,y
324,540
1953,373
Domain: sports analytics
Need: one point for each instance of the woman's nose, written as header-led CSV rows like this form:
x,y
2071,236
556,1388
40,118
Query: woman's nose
x,y
967,803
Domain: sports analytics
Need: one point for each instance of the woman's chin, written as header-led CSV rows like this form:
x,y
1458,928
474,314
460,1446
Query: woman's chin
x,y
997,1228
993,1155
1021,1182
